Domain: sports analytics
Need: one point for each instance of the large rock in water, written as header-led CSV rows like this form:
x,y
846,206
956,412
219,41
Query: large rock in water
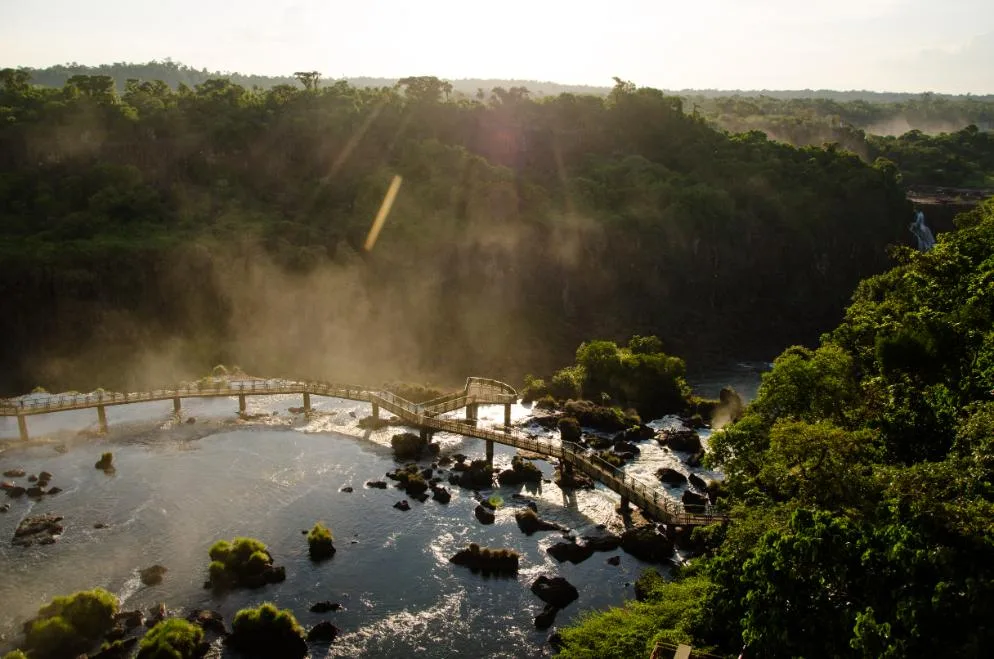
x,y
323,632
691,498
521,471
608,542
545,619
686,441
529,522
208,620
40,529
670,476
484,514
152,576
496,561
643,542
407,445
555,591
570,551
698,482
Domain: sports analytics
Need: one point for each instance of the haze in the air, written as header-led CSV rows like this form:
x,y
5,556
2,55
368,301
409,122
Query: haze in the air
x,y
899,45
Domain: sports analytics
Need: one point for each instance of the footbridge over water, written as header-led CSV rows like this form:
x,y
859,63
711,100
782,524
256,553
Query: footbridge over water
x,y
427,416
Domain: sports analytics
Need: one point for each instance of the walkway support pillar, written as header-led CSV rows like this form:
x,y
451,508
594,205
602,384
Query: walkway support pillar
x,y
625,505
22,427
507,414
425,434
241,403
376,411
307,403
471,412
490,452
102,416
176,406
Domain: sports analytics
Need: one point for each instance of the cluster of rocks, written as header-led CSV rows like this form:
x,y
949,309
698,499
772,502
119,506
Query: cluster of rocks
x,y
557,593
36,487
38,530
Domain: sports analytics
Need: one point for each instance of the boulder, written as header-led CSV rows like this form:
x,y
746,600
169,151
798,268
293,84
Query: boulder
x,y
347,489
40,529
325,606
639,433
670,476
545,619
7,485
35,492
32,478
16,492
614,560
691,498
44,476
570,551
608,542
698,482
686,441
381,485
573,480
407,446
421,497
323,632
54,490
441,494
694,459
484,514
192,420
521,471
17,472
4,507
555,591
478,475
643,542
208,620
152,576
129,619
529,522
626,447
402,505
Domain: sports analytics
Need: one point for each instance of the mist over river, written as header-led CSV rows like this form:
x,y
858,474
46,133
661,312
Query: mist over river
x,y
179,487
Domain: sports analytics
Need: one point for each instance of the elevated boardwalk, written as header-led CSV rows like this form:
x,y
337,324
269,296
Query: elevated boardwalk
x,y
652,500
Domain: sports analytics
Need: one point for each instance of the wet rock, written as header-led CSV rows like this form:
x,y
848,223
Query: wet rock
x,y
408,446
570,551
100,525
323,632
670,476
16,492
614,560
545,619
45,476
156,614
444,461
192,420
556,641
698,482
347,489
17,472
208,620
529,522
489,561
4,508
372,423
54,490
37,529
7,485
691,498
643,542
118,649
686,441
325,606
477,476
129,619
573,480
152,576
32,478
106,462
402,505
608,542
441,494
420,497
639,433
35,492
380,485
484,515
521,471
116,633
555,591
694,459
295,410
627,448
548,422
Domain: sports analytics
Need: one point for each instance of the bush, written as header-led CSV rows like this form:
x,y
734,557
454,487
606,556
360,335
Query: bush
x,y
410,479
320,543
487,560
567,383
172,639
241,562
546,403
534,389
267,632
569,429
69,625
521,471
599,417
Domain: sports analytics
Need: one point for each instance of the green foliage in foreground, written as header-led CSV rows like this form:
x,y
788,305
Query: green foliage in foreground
x,y
171,639
266,631
70,624
859,483
666,616
15,654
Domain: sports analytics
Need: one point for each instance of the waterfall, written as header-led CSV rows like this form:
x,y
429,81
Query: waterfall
x,y
922,233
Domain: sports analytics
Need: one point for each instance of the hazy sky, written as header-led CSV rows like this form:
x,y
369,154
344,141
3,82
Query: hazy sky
x,y
897,45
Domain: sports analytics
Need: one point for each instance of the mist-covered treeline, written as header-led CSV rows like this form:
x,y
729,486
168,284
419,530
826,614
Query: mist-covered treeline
x,y
153,232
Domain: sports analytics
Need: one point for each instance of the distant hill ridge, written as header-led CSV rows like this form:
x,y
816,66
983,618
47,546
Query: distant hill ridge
x,y
174,74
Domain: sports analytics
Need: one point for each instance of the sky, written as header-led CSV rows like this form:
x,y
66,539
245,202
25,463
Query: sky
x,y
943,46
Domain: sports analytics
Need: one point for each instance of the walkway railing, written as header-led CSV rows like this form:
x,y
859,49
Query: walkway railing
x,y
653,501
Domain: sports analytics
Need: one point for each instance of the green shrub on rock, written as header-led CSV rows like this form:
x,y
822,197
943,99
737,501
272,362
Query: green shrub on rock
x,y
242,562
106,461
15,654
266,631
501,562
69,625
172,639
320,543
569,429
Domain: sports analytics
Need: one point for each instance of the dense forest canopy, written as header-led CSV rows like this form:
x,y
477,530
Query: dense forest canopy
x,y
859,485
169,229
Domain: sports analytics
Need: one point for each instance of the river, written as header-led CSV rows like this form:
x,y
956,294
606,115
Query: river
x,y
178,487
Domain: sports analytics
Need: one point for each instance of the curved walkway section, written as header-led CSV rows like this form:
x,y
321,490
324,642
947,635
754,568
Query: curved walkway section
x,y
652,500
